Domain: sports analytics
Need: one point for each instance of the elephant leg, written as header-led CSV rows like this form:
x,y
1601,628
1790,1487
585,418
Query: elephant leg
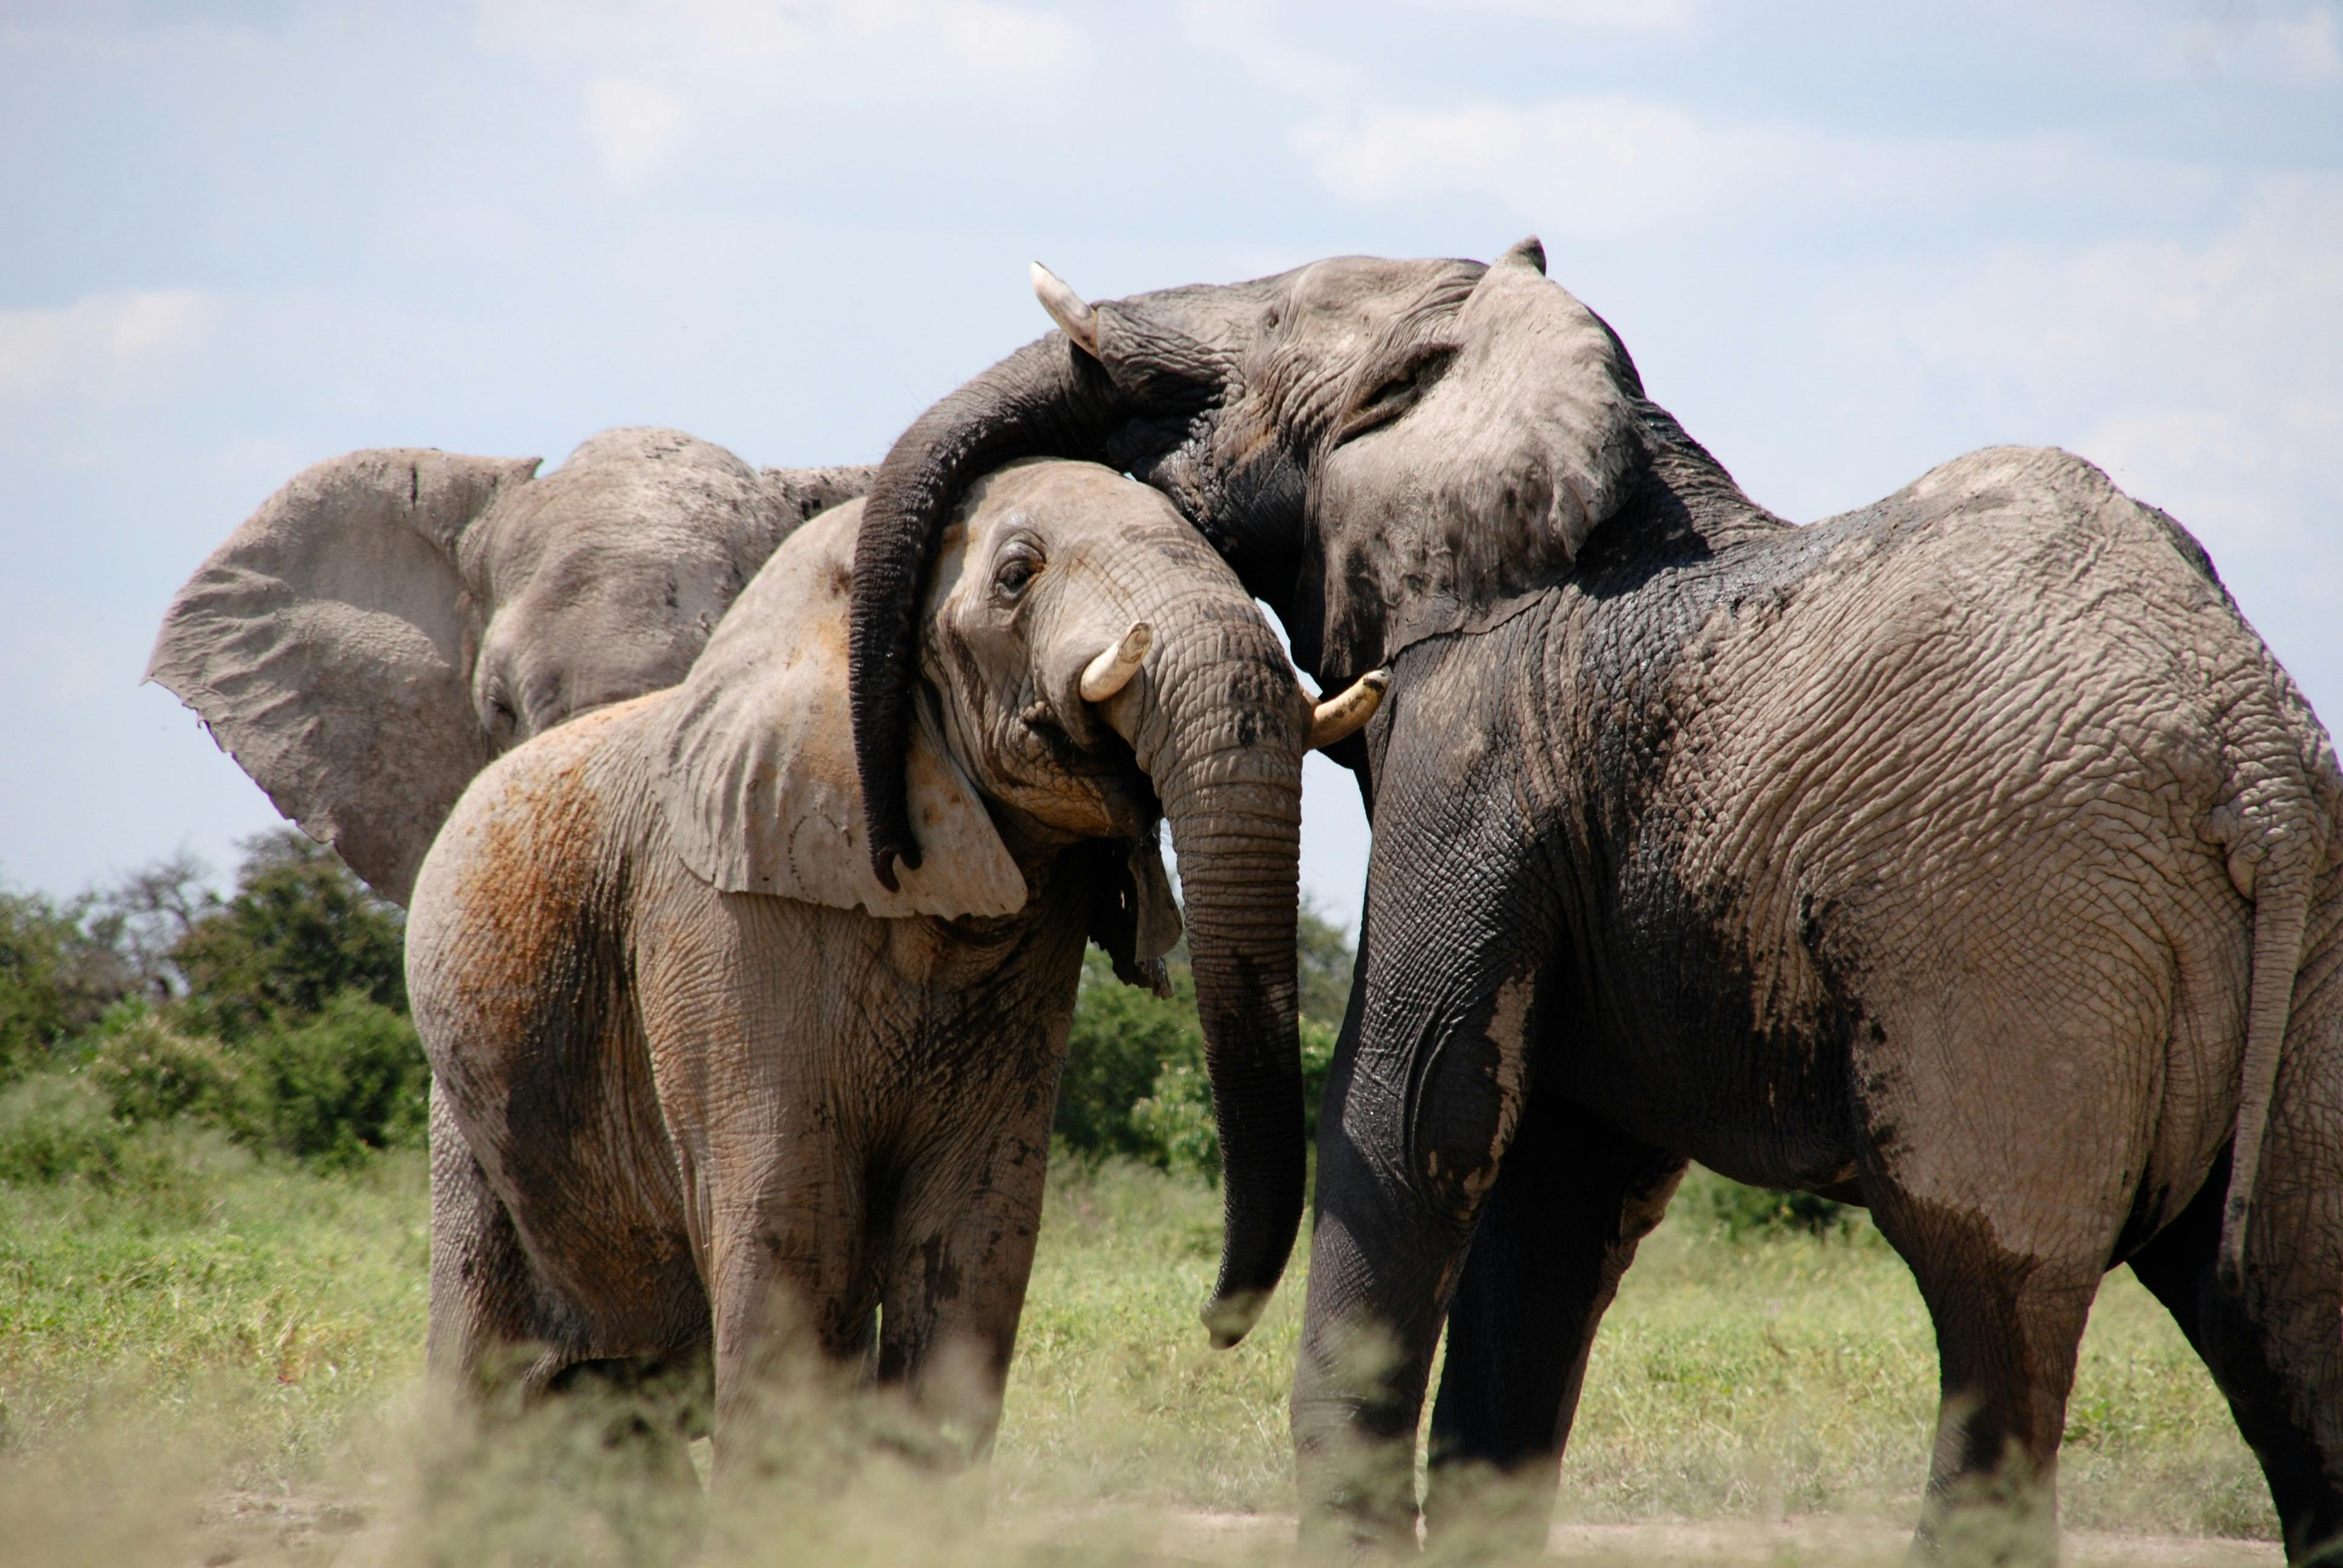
x,y
1409,1145
2008,1331
1574,1198
486,1301
791,1292
961,1254
2275,1391
2275,1349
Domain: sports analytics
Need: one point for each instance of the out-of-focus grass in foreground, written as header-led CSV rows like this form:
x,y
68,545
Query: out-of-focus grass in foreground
x,y
219,1360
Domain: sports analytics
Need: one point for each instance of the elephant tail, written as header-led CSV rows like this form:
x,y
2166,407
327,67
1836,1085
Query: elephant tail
x,y
2278,876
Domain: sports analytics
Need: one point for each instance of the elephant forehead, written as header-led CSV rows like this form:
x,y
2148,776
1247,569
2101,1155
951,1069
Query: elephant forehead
x,y
1060,499
1366,289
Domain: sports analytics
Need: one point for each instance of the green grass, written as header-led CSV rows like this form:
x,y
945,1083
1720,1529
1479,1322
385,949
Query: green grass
x,y
222,1330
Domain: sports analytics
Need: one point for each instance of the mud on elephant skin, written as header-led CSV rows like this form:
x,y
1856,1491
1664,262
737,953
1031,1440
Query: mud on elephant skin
x,y
391,619
1967,856
727,1090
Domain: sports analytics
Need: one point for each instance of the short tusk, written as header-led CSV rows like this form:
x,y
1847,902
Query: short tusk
x,y
1067,308
1110,671
1340,718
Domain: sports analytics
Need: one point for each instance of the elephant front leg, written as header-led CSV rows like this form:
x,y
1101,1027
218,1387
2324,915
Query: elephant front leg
x,y
955,1288
1574,1198
790,1294
1409,1146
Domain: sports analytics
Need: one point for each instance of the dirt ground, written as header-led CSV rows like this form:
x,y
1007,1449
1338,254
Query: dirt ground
x,y
253,1528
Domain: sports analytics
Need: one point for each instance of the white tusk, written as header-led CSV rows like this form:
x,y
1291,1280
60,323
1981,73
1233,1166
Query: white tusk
x,y
1067,308
1340,718
1110,671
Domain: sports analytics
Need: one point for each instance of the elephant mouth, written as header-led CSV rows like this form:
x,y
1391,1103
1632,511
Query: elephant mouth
x,y
1072,782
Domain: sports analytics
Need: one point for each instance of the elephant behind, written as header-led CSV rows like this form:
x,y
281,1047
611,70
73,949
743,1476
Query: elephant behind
x,y
727,1089
391,620
1967,856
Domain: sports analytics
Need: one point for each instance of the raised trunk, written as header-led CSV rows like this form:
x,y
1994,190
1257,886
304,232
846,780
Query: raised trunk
x,y
1227,765
1047,400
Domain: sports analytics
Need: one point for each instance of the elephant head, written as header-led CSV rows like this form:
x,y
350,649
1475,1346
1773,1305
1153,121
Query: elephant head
x,y
1087,663
1380,448
392,620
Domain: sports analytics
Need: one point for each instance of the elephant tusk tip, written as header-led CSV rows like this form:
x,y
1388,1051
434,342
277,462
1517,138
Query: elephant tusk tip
x,y
1112,671
1340,718
1067,309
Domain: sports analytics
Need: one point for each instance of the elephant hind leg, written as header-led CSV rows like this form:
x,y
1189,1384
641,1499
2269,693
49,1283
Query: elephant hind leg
x,y
1571,1200
489,1327
2008,1331
2274,1347
2276,1392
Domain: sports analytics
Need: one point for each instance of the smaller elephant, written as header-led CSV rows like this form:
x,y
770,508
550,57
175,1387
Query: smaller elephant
x,y
704,1084
391,620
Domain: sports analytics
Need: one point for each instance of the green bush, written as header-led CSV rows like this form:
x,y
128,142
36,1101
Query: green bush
x,y
1744,1213
1135,1083
148,1071
300,931
328,1089
1174,1123
54,1126
55,980
1121,1039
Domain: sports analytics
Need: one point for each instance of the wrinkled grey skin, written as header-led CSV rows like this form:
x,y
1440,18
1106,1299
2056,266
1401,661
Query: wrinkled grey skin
x,y
713,1120
392,620
1966,856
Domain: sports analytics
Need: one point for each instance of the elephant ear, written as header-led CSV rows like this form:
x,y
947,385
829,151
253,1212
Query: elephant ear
x,y
327,647
1522,434
755,756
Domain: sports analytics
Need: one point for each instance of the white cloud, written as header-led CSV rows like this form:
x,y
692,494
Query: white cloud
x,y
1609,166
657,70
1621,15
633,126
2298,47
109,343
1593,167
2206,378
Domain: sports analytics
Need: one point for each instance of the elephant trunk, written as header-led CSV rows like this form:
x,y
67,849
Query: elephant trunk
x,y
1047,400
1225,755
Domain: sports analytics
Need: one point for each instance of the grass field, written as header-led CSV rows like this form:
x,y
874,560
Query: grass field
x,y
217,1360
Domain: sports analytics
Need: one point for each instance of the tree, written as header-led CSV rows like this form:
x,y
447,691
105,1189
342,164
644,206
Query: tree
x,y
300,931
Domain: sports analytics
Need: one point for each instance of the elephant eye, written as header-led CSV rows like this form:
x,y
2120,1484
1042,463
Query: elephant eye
x,y
1015,573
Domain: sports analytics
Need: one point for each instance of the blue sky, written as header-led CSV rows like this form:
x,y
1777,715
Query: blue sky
x,y
1843,241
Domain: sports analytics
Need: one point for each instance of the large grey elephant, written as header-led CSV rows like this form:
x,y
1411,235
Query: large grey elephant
x,y
391,620
726,1091
1966,856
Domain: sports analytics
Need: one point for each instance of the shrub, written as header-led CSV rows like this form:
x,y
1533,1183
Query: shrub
x,y
55,980
330,1087
1121,1038
148,1071
54,1126
1135,1083
1744,1213
300,931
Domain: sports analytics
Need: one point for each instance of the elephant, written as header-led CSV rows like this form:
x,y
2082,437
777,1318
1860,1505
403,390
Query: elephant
x,y
392,620
1967,857
727,1095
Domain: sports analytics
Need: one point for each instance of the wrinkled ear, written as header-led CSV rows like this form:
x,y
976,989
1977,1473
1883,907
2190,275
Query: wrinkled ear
x,y
325,646
755,756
